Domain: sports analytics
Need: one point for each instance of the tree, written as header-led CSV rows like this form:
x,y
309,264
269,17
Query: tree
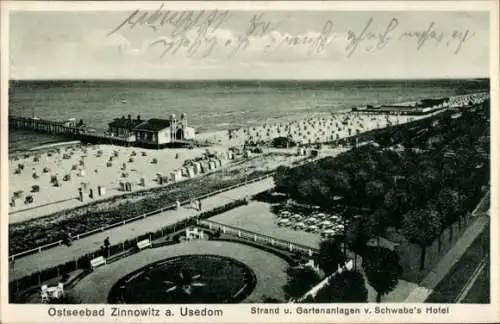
x,y
282,179
382,270
397,202
346,287
300,280
374,225
422,227
375,191
356,236
448,204
340,183
330,256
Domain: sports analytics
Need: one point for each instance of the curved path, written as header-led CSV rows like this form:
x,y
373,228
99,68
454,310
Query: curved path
x,y
270,270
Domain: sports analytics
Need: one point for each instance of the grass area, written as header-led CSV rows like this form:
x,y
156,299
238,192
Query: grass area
x,y
449,288
258,217
204,279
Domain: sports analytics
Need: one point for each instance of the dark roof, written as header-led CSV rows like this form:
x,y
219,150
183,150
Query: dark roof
x,y
154,125
125,123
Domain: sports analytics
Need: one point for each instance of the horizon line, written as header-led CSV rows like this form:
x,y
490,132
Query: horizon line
x,y
254,80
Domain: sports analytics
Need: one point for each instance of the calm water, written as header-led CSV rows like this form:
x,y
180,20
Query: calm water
x,y
209,105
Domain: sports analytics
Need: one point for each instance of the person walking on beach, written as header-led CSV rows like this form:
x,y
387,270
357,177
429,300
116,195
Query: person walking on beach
x,y
177,204
80,193
91,194
199,204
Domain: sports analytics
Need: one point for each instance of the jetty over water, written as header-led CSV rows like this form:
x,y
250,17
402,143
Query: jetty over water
x,y
68,129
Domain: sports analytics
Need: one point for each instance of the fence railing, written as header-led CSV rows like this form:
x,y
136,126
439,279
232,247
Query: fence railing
x,y
135,218
259,238
348,265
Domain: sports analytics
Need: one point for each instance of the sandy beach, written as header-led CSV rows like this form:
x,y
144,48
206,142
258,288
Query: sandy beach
x,y
88,167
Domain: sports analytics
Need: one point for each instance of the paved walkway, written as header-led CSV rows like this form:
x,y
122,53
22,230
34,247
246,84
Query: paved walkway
x,y
421,293
61,254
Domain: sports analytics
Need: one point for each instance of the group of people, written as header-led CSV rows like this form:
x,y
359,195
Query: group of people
x,y
100,191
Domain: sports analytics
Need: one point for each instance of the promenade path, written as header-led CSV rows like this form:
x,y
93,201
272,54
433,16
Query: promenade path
x,y
61,254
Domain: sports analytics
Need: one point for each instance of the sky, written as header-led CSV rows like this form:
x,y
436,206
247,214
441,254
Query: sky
x,y
163,44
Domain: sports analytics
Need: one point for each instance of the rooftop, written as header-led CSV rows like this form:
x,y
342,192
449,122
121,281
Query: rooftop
x,y
125,123
153,125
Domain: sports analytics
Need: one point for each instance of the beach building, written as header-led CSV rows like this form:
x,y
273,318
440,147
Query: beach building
x,y
157,132
123,127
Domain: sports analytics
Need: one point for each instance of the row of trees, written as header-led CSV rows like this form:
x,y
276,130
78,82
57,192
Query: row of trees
x,y
419,190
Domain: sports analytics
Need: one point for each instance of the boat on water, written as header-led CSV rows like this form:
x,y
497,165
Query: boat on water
x,y
124,101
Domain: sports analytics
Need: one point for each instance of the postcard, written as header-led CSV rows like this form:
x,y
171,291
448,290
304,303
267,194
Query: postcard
x,y
248,162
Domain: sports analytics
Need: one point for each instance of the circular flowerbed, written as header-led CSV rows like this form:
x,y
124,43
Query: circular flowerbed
x,y
184,280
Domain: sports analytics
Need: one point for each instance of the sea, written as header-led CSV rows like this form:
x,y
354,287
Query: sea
x,y
209,105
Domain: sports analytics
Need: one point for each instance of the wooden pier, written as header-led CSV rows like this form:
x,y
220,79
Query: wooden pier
x,y
67,129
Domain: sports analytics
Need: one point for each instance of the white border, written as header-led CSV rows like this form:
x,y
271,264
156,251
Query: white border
x,y
241,313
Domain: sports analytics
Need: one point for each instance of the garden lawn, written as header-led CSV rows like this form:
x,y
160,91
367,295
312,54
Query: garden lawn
x,y
258,217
